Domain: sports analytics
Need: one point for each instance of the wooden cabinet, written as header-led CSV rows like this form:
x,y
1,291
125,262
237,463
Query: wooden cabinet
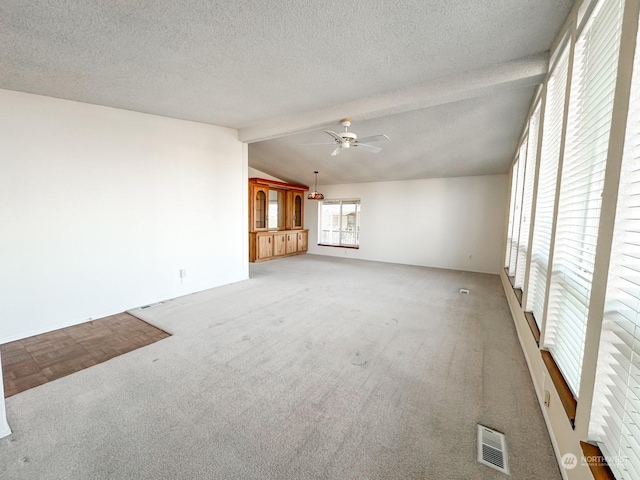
x,y
303,240
269,245
259,207
265,246
292,242
280,244
276,219
297,210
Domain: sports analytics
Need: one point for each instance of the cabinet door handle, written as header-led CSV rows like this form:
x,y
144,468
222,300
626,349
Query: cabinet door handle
x,y
269,239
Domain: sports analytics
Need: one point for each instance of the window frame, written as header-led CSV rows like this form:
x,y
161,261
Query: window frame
x,y
580,195
340,201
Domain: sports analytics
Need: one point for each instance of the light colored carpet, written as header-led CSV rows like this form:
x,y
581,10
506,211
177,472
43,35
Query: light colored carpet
x,y
316,368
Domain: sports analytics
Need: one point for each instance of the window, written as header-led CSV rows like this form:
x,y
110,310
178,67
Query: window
x,y
585,298
517,207
339,223
547,182
587,140
512,214
531,144
615,421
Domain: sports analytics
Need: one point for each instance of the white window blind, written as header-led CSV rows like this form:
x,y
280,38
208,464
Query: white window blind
x,y
339,223
588,128
527,199
517,212
615,419
547,181
512,214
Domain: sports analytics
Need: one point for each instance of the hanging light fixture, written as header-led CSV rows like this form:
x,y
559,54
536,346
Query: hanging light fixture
x,y
315,195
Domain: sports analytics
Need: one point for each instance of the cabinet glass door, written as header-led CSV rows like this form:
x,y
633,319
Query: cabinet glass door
x,y
261,209
297,211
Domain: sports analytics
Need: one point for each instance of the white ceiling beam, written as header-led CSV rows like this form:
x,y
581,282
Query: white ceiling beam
x,y
520,73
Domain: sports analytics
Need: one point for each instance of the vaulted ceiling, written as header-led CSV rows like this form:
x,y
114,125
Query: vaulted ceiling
x,y
449,82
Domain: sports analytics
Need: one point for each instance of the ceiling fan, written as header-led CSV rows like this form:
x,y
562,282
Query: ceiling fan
x,y
349,139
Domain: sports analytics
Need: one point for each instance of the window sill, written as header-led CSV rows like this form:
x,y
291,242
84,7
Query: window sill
x,y
518,292
569,402
356,247
533,326
596,461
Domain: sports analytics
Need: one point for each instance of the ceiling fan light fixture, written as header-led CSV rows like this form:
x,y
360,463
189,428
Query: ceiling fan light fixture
x,y
349,139
315,195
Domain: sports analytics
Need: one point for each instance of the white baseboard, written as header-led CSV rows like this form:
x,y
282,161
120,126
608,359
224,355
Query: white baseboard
x,y
554,443
539,397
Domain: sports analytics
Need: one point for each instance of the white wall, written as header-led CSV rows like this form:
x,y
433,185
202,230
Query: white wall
x,y
454,223
100,208
254,173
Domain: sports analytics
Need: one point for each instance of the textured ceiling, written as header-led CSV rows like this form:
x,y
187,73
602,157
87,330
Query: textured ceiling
x,y
456,139
256,65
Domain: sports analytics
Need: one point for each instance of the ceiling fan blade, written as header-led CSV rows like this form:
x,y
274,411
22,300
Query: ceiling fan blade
x,y
368,148
337,137
335,152
373,138
325,143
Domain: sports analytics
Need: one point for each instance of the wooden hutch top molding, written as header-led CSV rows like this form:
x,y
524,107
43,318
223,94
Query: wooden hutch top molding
x,y
277,184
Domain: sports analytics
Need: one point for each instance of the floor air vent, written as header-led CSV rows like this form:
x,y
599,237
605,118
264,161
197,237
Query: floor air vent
x,y
492,449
